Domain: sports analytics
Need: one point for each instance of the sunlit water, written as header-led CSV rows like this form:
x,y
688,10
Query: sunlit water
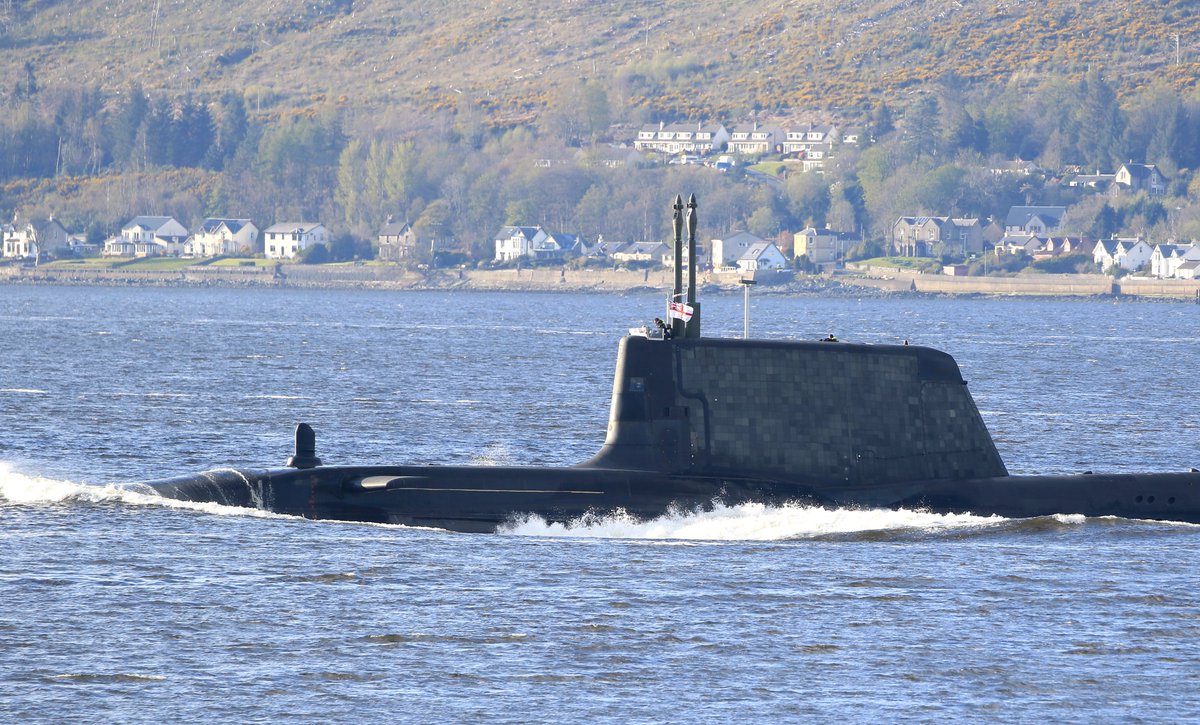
x,y
118,605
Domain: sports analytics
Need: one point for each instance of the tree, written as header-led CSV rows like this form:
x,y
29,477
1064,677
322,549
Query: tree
x,y
922,130
596,108
126,126
1101,123
763,222
808,198
882,123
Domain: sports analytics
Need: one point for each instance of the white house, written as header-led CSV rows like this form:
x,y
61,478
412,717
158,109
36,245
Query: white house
x,y
813,159
1127,254
642,252
726,252
755,140
222,236
515,242
286,240
682,138
761,256
31,239
1188,270
148,236
1167,259
802,138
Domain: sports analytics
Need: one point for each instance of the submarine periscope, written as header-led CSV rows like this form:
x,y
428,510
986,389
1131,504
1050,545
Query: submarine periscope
x,y
826,423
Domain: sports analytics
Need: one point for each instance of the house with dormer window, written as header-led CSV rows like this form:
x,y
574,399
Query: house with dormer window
x,y
682,138
148,236
215,237
752,139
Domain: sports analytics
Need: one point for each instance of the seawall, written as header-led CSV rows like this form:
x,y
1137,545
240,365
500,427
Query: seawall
x,y
896,279
544,279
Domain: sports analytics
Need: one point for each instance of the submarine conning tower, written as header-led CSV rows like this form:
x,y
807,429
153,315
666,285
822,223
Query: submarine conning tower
x,y
820,412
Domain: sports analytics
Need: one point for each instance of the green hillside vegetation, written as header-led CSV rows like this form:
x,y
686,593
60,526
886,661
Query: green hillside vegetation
x,y
464,118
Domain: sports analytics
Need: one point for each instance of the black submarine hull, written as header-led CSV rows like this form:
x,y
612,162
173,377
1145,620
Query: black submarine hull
x,y
482,500
697,420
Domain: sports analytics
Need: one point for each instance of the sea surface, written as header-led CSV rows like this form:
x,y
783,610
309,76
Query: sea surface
x,y
116,605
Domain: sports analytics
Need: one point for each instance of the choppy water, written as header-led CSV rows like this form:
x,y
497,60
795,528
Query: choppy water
x,y
117,605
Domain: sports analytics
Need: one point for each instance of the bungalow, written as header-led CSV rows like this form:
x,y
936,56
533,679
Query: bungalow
x,y
1188,270
32,239
1061,246
215,237
148,236
761,256
653,252
286,240
397,242
703,258
564,244
1021,245
1039,220
1142,177
726,252
604,249
682,138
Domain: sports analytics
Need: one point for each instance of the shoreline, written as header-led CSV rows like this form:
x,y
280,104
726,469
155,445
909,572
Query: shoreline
x,y
871,281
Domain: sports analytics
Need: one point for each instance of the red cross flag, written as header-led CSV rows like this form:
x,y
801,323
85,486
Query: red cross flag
x,y
680,311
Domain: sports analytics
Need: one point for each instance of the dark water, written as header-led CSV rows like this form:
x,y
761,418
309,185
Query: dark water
x,y
115,605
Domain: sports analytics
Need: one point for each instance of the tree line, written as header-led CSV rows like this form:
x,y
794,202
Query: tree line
x,y
455,177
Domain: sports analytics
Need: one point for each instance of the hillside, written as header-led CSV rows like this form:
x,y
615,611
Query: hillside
x,y
513,58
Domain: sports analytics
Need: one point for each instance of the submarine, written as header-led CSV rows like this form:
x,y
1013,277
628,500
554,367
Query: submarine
x,y
696,421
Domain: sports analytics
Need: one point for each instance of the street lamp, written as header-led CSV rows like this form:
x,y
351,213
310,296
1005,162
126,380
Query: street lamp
x,y
746,306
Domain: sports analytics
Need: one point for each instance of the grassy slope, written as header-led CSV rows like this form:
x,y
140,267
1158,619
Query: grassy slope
x,y
510,56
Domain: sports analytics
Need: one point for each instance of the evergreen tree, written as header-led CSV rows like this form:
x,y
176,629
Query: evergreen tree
x,y
922,128
160,134
125,127
1101,124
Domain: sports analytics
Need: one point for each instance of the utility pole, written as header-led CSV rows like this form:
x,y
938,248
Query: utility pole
x,y
746,284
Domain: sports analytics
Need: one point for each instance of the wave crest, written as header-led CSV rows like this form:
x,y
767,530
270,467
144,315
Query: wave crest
x,y
750,522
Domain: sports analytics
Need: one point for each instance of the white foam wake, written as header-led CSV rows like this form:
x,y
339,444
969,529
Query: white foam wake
x,y
751,522
19,488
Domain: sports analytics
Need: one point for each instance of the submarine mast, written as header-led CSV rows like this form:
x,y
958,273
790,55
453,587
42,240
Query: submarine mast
x,y
684,312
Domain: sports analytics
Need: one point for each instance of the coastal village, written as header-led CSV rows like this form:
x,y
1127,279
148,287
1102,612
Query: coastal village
x,y
1011,241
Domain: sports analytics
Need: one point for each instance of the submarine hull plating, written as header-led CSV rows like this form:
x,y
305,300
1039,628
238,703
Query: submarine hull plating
x,y
484,499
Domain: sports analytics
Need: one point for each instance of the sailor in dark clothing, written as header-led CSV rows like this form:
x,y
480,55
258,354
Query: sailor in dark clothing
x,y
662,327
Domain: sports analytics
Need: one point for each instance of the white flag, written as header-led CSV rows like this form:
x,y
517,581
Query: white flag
x,y
680,311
